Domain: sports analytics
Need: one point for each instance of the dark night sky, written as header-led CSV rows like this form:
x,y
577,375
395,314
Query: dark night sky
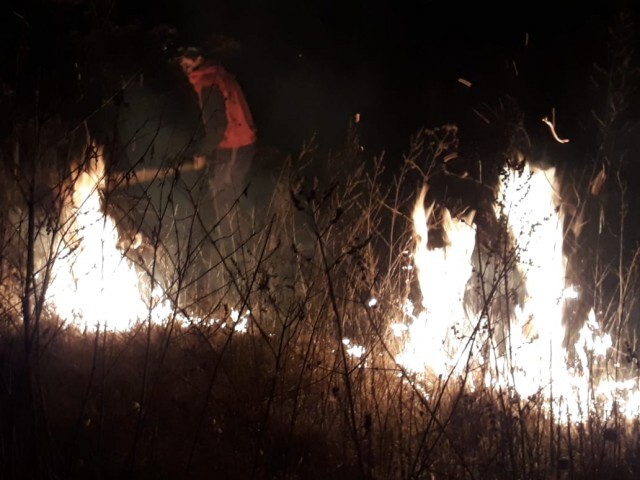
x,y
308,66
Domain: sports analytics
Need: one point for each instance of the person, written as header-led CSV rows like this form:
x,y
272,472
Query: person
x,y
224,151
227,145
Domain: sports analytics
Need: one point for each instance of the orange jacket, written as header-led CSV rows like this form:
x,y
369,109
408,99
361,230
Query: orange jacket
x,y
239,130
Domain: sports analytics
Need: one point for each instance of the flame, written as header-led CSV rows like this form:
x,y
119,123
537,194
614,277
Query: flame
x,y
442,274
93,282
447,338
530,204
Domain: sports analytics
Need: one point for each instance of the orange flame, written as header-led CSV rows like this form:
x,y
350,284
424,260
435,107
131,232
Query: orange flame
x,y
93,282
446,339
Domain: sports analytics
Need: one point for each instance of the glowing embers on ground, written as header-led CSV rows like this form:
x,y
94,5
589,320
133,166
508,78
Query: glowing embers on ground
x,y
513,340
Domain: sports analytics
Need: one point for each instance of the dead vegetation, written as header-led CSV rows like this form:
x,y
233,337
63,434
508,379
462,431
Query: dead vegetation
x,y
194,396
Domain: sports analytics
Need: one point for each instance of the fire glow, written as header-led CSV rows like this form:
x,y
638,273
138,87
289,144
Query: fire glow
x,y
450,339
93,283
509,344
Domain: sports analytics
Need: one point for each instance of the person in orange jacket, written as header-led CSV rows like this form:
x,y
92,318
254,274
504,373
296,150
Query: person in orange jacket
x,y
227,146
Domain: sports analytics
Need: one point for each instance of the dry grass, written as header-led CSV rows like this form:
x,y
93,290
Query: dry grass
x,y
192,398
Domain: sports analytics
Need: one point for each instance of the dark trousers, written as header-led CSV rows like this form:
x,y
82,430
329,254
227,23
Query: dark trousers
x,y
228,172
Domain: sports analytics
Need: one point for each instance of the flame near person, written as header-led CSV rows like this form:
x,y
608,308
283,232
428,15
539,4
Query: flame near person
x,y
93,282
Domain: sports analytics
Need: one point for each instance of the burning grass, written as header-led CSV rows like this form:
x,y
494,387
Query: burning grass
x,y
327,338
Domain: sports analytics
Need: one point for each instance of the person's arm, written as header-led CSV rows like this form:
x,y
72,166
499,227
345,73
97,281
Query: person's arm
x,y
150,174
214,120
